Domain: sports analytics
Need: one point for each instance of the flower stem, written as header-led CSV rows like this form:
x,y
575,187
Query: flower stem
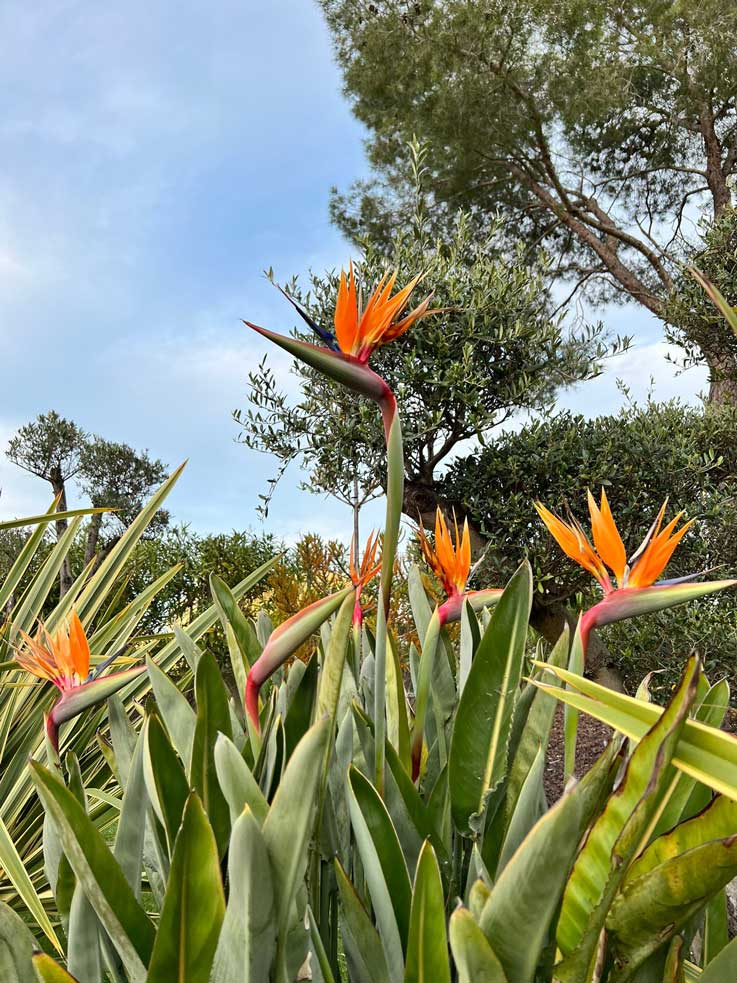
x,y
394,499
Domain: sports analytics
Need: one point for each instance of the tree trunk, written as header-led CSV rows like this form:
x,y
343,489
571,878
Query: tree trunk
x,y
722,380
93,537
65,573
421,499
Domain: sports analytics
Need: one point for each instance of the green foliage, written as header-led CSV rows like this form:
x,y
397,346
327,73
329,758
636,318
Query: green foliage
x,y
693,322
642,455
593,128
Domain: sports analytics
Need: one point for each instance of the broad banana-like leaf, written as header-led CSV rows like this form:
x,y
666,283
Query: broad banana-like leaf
x,y
479,748
715,935
332,667
397,714
617,836
469,643
570,715
711,709
166,783
384,867
536,730
129,836
363,949
530,887
723,967
427,945
651,908
213,718
102,879
705,753
194,906
247,943
177,714
717,822
238,785
16,948
83,934
529,807
475,960
288,826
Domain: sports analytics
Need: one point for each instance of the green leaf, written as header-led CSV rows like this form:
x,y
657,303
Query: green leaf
x,y
288,826
239,786
651,908
332,667
705,753
469,643
98,587
716,927
529,808
474,958
396,705
384,867
427,946
247,942
536,730
231,616
529,889
130,834
299,713
718,821
617,836
83,947
570,715
48,971
177,714
168,789
318,949
16,948
711,710
363,947
194,906
478,750
213,718
17,874
723,967
102,879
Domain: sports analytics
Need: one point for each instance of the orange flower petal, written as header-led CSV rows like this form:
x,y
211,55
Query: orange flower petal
x,y
607,540
79,647
346,312
574,543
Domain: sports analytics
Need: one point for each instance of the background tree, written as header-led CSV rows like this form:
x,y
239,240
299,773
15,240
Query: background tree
x,y
50,447
115,476
496,348
110,474
598,129
693,322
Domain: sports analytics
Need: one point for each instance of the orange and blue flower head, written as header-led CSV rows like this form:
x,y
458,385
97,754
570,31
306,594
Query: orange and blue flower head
x,y
608,551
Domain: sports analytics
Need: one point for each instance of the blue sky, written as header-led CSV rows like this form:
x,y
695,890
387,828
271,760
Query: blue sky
x,y
155,158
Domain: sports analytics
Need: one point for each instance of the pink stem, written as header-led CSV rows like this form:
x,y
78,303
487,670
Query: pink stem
x,y
252,691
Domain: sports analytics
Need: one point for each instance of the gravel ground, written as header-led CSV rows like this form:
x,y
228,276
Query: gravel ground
x,y
593,737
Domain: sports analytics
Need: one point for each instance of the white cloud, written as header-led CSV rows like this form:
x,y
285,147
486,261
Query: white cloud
x,y
646,370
